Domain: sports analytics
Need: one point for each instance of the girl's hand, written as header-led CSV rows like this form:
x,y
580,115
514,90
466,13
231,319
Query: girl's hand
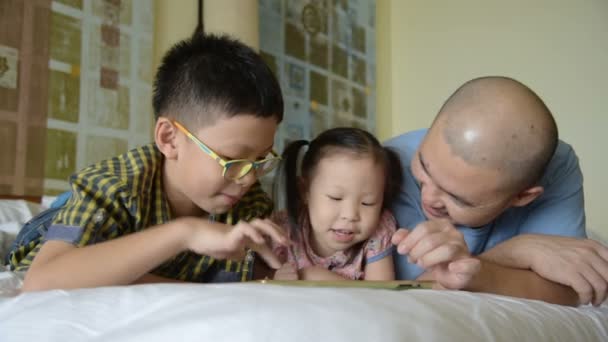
x,y
222,241
286,272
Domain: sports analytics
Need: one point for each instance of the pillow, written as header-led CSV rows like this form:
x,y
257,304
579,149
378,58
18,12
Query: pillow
x,y
18,211
13,215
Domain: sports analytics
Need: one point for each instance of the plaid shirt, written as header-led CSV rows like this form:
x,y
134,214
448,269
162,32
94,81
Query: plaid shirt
x,y
124,195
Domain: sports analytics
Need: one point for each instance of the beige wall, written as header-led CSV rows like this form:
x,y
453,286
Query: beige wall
x,y
174,20
557,47
238,18
177,19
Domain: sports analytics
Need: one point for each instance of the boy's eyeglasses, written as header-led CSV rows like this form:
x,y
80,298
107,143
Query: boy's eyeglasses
x,y
238,168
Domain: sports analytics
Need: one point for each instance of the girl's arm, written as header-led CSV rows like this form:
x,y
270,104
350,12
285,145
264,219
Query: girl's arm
x,y
378,256
319,273
382,269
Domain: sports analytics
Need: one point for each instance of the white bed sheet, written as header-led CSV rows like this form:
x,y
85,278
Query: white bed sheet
x,y
256,312
253,312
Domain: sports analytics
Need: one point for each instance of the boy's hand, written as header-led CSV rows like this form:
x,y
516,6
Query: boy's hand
x,y
222,241
286,272
440,248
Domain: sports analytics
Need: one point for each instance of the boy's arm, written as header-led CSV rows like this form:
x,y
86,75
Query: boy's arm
x,y
382,269
120,261
150,278
123,260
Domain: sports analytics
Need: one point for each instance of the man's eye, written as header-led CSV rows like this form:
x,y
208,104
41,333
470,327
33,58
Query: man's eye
x,y
460,202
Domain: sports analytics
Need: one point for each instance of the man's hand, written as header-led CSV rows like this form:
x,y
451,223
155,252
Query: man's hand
x,y
579,263
439,247
223,241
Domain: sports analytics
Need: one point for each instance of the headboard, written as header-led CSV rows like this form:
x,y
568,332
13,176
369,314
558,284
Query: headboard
x,y
35,199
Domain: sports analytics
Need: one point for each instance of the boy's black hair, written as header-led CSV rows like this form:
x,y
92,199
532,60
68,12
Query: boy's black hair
x,y
209,73
335,140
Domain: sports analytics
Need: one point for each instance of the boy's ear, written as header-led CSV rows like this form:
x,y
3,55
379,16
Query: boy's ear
x,y
165,134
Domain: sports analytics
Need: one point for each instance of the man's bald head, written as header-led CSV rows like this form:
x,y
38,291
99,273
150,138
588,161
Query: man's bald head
x,y
500,124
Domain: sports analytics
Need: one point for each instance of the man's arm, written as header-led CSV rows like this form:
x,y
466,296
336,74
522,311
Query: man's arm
x,y
551,244
527,266
554,269
497,279
579,264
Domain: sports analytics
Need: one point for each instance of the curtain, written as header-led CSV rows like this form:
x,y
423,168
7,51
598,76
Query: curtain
x,y
75,88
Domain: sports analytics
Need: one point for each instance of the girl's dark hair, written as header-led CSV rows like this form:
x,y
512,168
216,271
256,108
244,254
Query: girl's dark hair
x,y
335,140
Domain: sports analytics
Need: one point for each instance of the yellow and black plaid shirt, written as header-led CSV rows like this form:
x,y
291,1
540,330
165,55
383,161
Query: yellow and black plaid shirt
x,y
124,195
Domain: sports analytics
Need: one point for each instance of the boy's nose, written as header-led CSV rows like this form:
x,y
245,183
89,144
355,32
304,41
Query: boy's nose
x,y
247,180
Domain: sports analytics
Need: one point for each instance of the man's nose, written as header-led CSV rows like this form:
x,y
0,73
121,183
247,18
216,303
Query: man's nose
x,y
431,195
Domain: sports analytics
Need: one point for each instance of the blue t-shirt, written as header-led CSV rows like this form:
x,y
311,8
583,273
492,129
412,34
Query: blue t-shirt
x,y
558,211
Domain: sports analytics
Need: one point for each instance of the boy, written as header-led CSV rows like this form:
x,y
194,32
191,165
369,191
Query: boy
x,y
165,211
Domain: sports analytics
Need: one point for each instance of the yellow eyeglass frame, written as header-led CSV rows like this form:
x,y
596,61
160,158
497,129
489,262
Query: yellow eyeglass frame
x,y
246,165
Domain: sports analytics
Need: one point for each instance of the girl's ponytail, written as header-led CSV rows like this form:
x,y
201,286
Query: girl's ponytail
x,y
289,171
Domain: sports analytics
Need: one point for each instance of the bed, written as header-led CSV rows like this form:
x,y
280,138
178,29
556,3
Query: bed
x,y
262,312
257,312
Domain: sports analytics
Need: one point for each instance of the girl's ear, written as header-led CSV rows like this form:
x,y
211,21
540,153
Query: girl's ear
x,y
165,134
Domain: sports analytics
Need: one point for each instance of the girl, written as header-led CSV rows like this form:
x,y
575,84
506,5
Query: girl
x,y
337,204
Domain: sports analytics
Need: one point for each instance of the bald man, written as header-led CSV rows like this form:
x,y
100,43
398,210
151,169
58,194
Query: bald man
x,y
492,170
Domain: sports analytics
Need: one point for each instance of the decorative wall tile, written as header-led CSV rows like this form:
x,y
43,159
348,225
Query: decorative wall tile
x,y
325,62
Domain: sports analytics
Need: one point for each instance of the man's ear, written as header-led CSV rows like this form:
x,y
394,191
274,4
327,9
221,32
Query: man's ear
x,y
526,196
165,136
